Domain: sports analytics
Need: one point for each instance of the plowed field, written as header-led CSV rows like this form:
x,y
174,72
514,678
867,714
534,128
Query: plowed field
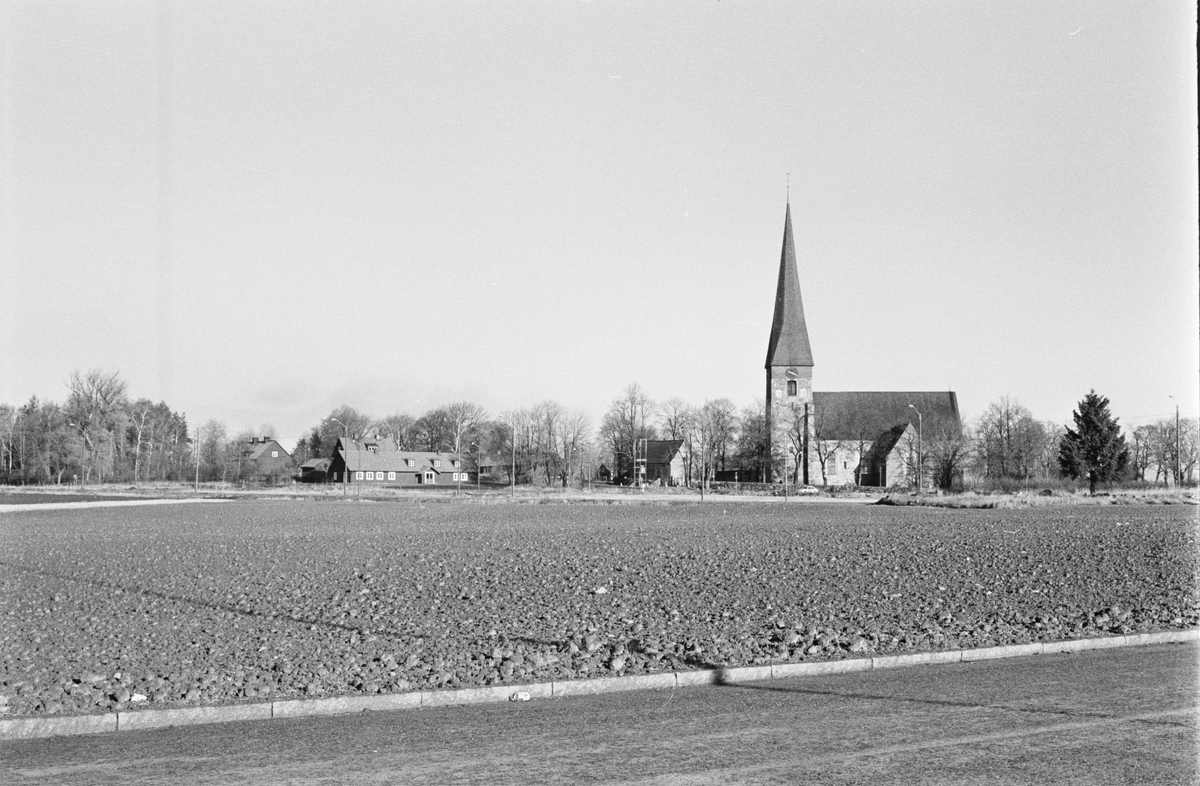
x,y
170,606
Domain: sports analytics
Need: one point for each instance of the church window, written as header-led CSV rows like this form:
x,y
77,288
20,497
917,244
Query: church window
x,y
791,387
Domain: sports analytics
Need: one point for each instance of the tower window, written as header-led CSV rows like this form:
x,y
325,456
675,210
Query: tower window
x,y
791,387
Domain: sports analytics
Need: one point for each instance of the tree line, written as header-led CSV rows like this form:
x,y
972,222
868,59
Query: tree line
x,y
101,434
98,434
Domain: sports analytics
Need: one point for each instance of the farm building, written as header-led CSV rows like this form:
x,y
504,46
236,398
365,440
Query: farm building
x,y
264,458
314,471
664,462
373,461
836,438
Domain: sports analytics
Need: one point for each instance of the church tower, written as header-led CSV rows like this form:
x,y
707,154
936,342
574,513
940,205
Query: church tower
x,y
789,369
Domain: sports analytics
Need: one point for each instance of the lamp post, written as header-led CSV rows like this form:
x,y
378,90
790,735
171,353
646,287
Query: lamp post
x,y
346,459
475,447
920,458
785,473
1178,466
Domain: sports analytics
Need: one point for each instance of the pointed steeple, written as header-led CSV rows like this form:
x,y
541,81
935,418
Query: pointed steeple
x,y
789,334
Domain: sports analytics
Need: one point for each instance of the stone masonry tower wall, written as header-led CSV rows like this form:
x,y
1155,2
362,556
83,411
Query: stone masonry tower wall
x,y
789,370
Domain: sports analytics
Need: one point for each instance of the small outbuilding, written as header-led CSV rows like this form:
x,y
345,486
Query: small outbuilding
x,y
664,462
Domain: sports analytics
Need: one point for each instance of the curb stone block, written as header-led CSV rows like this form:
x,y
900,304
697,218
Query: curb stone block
x,y
744,674
188,716
1164,637
916,659
821,667
684,679
1082,645
32,728
613,684
442,698
1010,651
344,705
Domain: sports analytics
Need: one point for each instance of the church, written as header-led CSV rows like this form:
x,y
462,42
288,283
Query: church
x,y
835,438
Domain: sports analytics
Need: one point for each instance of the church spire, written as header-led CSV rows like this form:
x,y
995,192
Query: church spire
x,y
789,334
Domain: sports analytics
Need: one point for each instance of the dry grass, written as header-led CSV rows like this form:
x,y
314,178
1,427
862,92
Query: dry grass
x,y
1048,498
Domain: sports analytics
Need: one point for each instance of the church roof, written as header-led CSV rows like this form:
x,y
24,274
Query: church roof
x,y
789,334
662,451
853,415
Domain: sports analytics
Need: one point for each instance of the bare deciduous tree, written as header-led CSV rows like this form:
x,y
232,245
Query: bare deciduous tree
x,y
628,420
96,409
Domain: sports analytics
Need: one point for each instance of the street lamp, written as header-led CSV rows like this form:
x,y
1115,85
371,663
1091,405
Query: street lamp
x,y
346,460
475,445
920,458
785,473
1178,466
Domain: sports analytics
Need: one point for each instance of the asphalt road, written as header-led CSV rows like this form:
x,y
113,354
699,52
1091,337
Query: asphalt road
x,y
1106,717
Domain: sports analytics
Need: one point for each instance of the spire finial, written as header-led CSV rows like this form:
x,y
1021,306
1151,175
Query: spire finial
x,y
789,188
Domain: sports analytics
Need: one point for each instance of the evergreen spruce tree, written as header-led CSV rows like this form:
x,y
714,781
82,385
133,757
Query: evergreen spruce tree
x,y
1095,447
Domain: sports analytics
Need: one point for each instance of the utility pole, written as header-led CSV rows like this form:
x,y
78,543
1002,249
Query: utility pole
x,y
785,472
345,453
804,443
196,458
476,446
920,460
1178,466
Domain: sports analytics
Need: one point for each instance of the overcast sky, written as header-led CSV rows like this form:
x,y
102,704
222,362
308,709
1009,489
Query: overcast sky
x,y
259,211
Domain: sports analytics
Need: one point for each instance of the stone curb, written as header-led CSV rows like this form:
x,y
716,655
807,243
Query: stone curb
x,y
343,705
31,728
103,503
441,698
614,684
190,716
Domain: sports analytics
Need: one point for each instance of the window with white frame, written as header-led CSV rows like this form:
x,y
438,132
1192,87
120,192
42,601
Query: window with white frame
x,y
409,462
358,475
391,476
370,476
274,454
437,463
428,476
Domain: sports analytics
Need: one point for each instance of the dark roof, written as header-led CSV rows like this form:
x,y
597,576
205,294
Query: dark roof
x,y
852,415
257,447
317,464
883,445
661,451
789,333
358,458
